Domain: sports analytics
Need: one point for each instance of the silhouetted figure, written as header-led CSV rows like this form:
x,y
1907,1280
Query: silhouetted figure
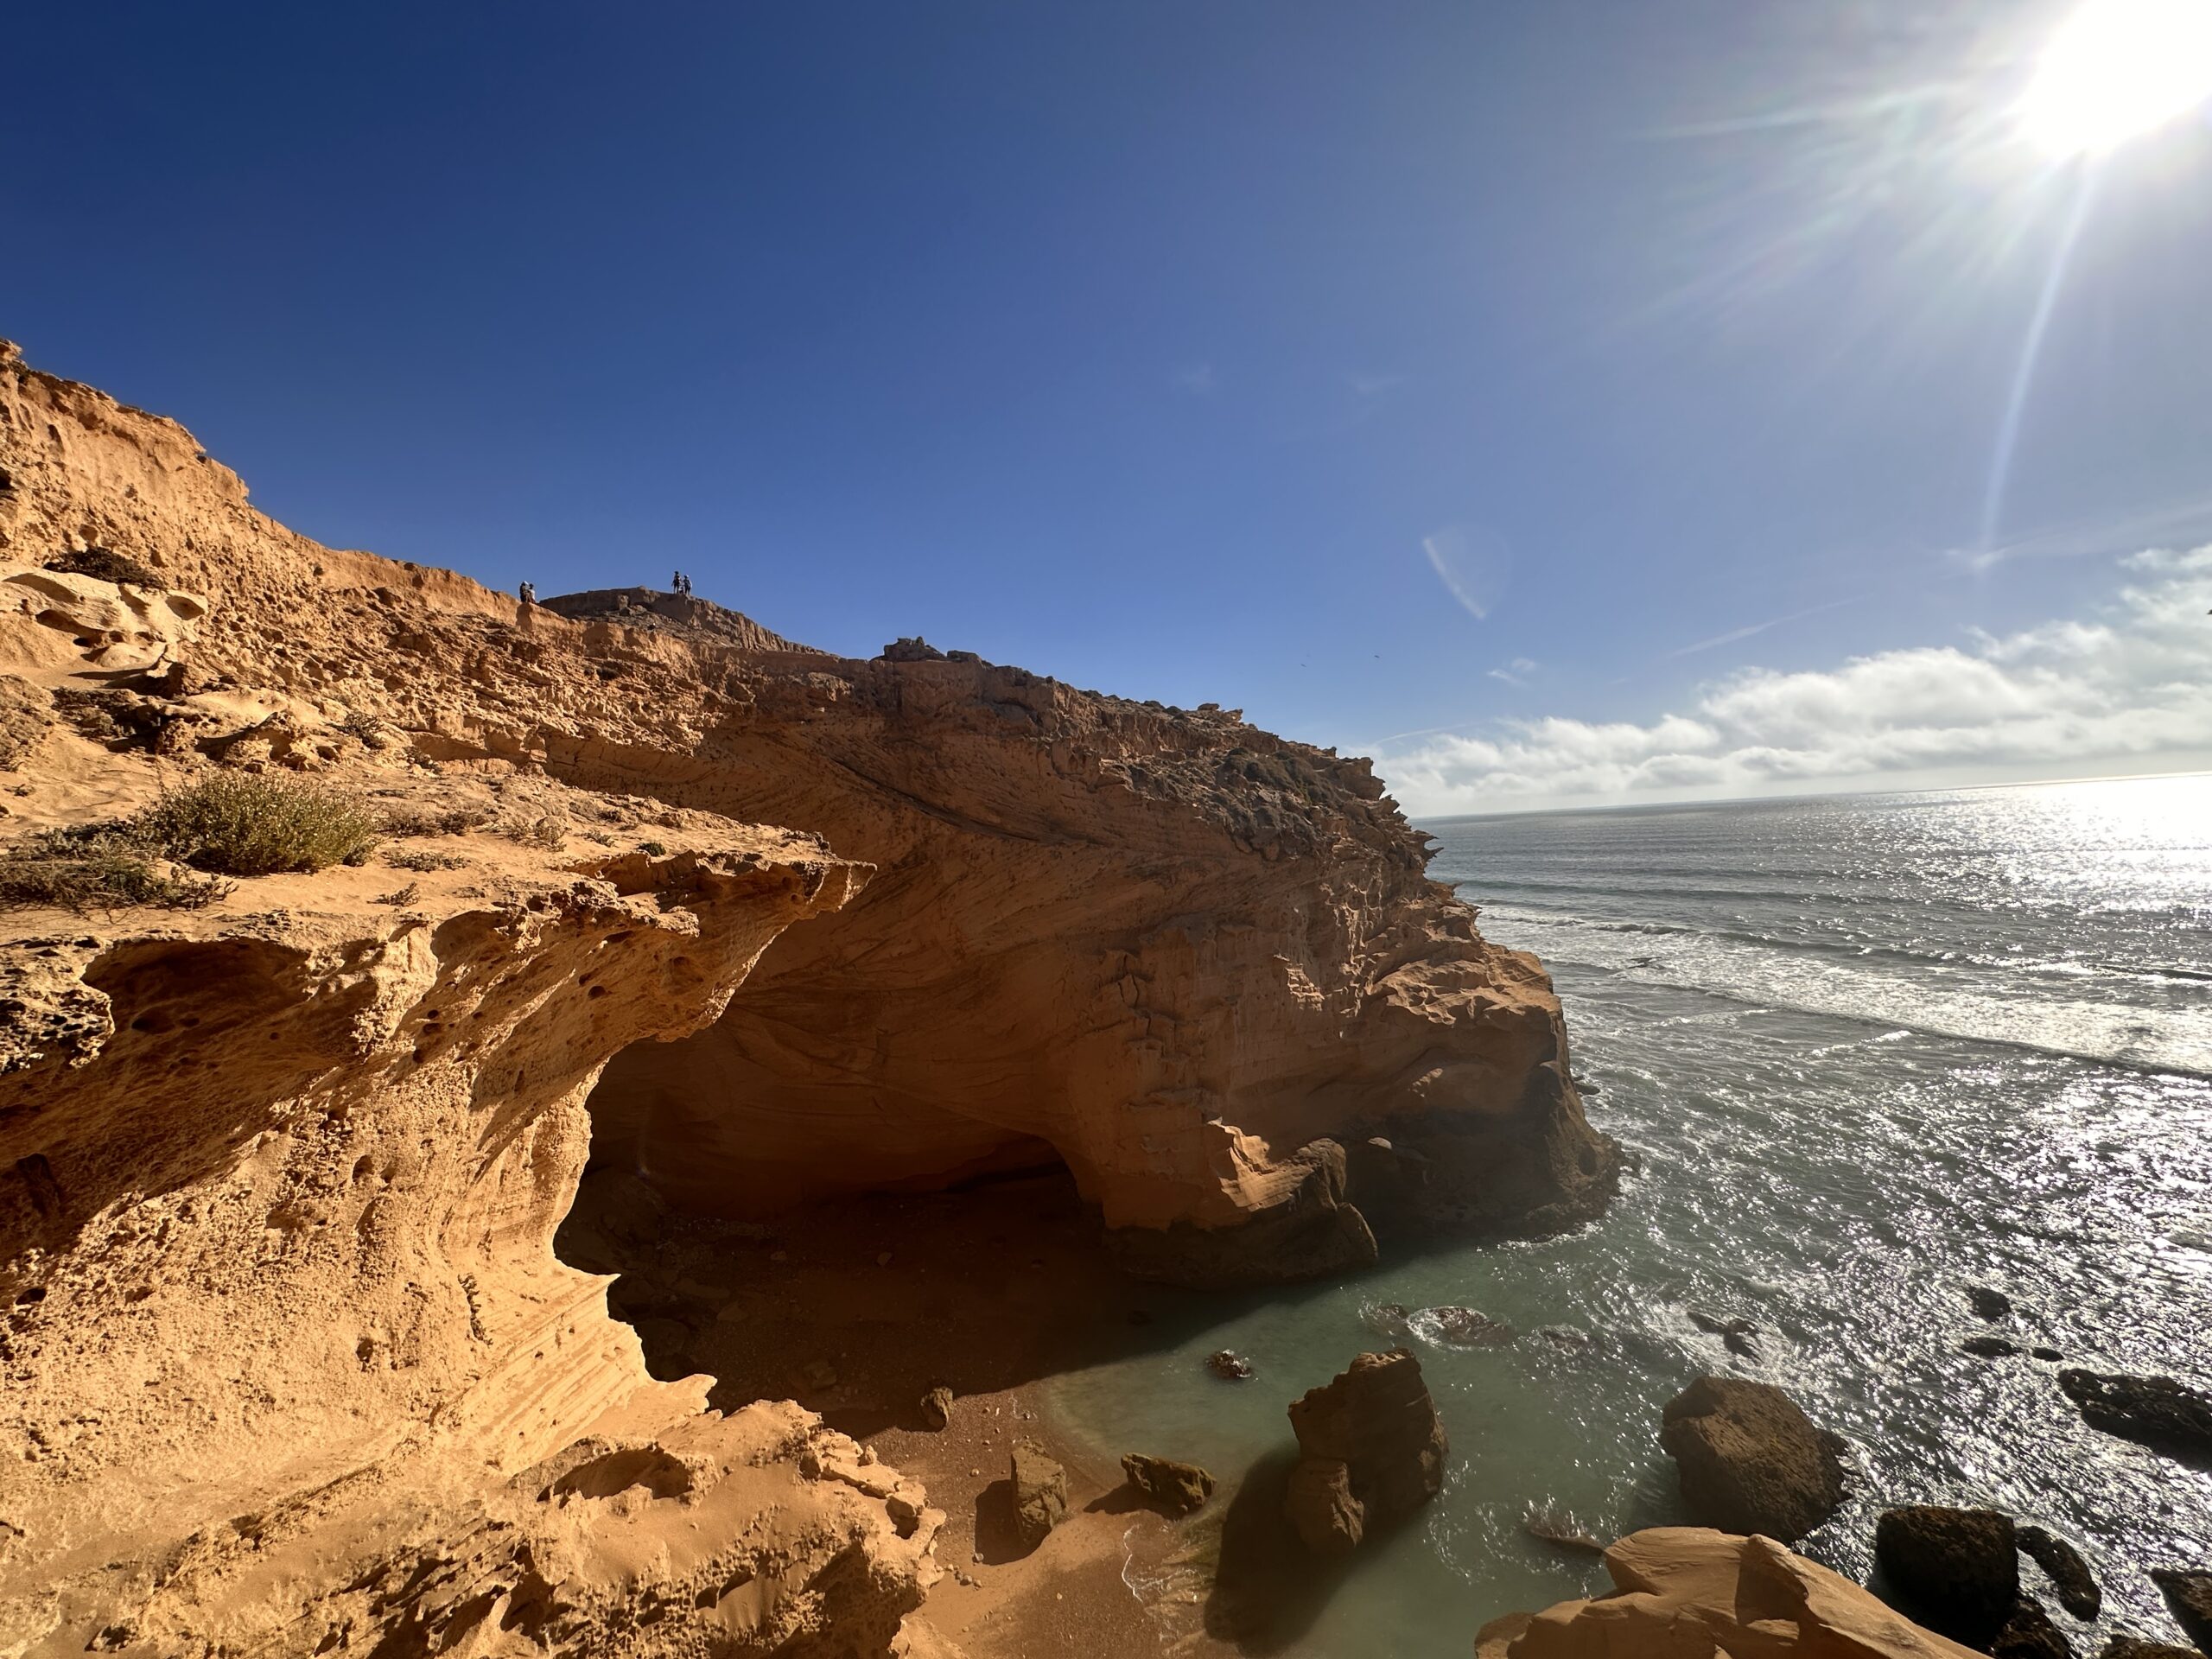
x,y
682,585
529,591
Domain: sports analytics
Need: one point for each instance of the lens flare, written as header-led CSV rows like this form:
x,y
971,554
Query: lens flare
x,y
2115,69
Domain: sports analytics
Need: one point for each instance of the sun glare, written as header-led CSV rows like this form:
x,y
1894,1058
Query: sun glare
x,y
2117,68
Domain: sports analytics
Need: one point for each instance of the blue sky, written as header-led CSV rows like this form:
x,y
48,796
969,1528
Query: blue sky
x,y
1222,352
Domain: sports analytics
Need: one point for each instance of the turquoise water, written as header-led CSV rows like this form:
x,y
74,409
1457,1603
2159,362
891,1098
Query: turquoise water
x,y
1869,1052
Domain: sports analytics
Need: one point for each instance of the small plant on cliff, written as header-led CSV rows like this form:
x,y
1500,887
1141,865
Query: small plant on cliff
x,y
104,866
238,825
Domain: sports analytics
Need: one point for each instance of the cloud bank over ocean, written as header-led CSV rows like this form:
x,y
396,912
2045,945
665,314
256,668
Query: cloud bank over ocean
x,y
2128,687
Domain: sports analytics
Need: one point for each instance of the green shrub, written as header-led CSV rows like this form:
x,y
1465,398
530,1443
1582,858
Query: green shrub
x,y
235,824
103,868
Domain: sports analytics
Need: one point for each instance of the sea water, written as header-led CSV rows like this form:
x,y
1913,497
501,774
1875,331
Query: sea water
x,y
1867,1052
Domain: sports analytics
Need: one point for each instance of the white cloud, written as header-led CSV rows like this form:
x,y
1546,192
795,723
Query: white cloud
x,y
2132,683
1515,672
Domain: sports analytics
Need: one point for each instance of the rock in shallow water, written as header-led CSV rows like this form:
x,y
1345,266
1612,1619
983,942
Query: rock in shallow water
x,y
1749,1460
2077,1586
1371,1451
1176,1487
2153,1411
2189,1595
1989,1304
1956,1571
2028,1634
2124,1646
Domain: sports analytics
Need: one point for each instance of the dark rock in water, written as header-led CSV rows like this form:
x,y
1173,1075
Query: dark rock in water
x,y
1230,1367
1179,1488
1956,1571
2028,1634
1040,1494
1989,1347
2046,1353
1714,1326
1989,1304
1371,1451
1565,1337
1737,1343
2189,1595
2124,1646
2077,1586
1749,1460
2154,1411
936,1407
1464,1328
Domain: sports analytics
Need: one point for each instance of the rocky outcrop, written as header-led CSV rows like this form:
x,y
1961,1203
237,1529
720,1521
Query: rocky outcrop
x,y
2158,1412
293,1358
1956,1571
1690,1592
1159,945
1749,1460
2078,1591
1370,1452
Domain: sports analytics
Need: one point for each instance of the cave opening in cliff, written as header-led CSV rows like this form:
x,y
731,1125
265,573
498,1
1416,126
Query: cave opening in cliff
x,y
851,1260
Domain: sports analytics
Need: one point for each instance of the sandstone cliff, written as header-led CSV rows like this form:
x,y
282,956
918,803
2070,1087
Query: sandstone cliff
x,y
1701,1595
290,1361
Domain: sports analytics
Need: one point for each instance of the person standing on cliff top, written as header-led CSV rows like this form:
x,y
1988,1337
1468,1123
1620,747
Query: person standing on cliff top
x,y
528,592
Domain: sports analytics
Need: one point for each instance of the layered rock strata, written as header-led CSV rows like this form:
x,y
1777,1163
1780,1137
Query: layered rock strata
x,y
1160,945
291,1365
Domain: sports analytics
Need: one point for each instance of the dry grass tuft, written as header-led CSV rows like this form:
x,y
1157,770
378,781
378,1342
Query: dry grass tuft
x,y
239,825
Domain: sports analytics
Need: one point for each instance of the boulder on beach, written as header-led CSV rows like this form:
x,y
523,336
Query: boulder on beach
x,y
1040,1494
2189,1595
2078,1592
1371,1451
936,1407
1749,1460
2153,1411
1956,1571
1179,1488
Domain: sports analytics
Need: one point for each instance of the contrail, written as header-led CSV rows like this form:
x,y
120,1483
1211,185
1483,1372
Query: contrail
x,y
2008,431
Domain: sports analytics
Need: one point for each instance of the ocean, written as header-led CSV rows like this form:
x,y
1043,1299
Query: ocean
x,y
1868,1051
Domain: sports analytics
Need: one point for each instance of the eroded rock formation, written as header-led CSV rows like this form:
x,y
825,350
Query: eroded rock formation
x,y
291,1363
1696,1594
1370,1452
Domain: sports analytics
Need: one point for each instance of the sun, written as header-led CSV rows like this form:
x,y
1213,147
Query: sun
x,y
2115,69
